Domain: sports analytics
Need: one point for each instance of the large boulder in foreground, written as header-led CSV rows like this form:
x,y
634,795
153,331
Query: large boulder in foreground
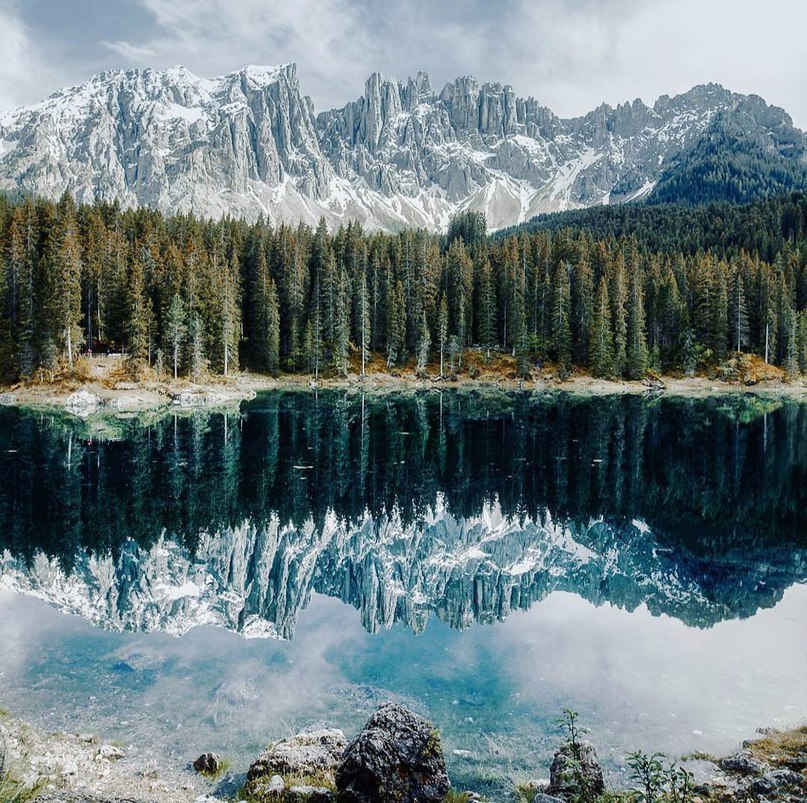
x,y
569,777
397,756
311,753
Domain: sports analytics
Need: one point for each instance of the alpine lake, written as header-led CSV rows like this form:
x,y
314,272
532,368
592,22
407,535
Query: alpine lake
x,y
203,580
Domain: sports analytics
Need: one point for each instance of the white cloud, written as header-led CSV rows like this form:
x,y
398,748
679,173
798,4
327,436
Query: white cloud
x,y
327,39
570,54
129,51
573,56
22,71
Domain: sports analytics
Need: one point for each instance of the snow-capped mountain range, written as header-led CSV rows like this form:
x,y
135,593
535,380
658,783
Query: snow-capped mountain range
x,y
402,154
257,580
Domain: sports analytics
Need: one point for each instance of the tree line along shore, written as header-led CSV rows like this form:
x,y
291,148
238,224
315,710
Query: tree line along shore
x,y
184,297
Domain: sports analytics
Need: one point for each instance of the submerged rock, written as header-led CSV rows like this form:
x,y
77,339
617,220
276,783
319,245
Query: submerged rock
x,y
314,752
188,398
82,402
109,752
208,764
570,777
397,756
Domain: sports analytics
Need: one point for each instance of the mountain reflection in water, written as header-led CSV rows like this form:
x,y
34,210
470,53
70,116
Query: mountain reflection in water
x,y
459,505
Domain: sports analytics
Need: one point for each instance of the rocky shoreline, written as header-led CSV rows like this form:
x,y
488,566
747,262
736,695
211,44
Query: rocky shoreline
x,y
397,756
90,398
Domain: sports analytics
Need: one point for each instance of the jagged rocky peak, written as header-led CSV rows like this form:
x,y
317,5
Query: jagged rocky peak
x,y
418,91
702,96
249,143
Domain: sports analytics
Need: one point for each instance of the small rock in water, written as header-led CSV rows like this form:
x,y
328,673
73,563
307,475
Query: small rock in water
x,y
109,752
82,402
208,764
86,738
189,398
307,753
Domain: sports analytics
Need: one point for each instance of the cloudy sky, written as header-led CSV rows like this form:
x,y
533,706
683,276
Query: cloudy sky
x,y
570,54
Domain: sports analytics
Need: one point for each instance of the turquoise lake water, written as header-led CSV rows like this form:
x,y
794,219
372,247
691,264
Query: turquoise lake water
x,y
212,581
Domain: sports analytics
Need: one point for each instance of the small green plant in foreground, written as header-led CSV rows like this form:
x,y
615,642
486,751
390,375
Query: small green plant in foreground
x,y
12,789
573,732
659,779
254,791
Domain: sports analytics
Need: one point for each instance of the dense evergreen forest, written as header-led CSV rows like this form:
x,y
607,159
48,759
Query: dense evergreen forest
x,y
732,163
182,296
762,228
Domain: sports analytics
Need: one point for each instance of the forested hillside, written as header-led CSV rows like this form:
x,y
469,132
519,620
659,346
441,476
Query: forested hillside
x,y
188,297
762,228
734,162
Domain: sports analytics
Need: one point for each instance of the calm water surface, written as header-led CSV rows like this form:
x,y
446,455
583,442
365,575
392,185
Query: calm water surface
x,y
184,583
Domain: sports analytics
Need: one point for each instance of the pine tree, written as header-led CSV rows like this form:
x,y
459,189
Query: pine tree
x,y
62,268
768,321
94,236
719,315
229,315
486,314
22,237
342,324
398,325
582,308
137,330
619,319
601,355
7,369
442,332
176,328
560,326
689,351
738,312
271,349
365,333
791,361
636,353
424,344
519,318
197,357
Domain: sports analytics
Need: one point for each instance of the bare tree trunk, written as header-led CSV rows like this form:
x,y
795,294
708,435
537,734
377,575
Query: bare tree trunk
x,y
767,328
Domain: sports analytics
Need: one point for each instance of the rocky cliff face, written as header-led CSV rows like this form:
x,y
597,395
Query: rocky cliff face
x,y
172,141
257,580
402,154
